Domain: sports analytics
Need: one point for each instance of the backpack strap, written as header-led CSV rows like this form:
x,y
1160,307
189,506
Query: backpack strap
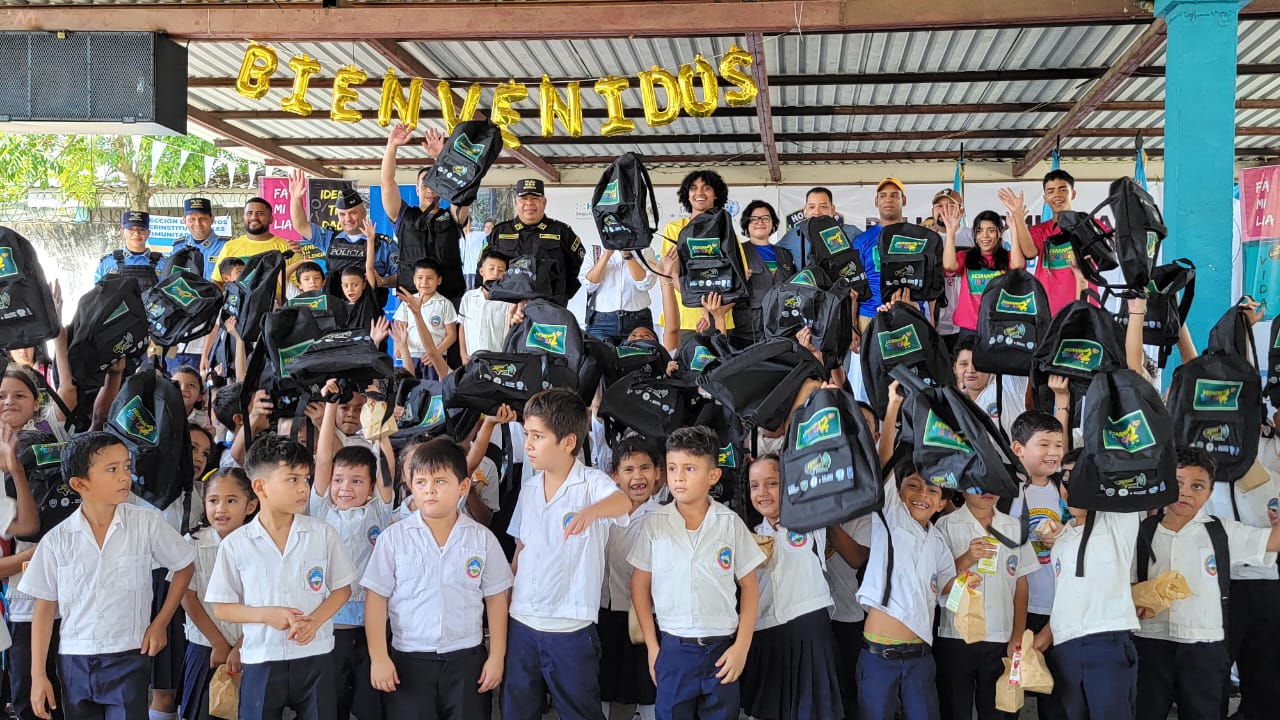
x,y
1222,556
1144,557
1090,521
118,255
888,561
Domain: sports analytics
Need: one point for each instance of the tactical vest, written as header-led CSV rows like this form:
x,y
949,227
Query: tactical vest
x,y
432,235
545,240
145,275
747,320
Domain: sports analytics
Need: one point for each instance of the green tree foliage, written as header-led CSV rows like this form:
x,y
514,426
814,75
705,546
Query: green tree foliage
x,y
80,167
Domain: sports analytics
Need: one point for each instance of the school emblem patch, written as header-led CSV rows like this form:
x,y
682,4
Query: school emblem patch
x,y
1216,395
1129,433
727,457
724,557
315,578
1211,566
374,532
547,337
822,426
568,518
1011,565
474,566
137,421
1019,304
795,539
896,343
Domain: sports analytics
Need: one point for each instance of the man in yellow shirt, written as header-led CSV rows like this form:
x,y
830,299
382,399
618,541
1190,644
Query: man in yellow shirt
x,y
257,237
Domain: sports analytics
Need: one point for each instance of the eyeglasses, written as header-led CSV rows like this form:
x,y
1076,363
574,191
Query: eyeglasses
x,y
759,219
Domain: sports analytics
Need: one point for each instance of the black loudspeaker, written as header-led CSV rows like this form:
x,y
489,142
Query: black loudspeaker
x,y
106,82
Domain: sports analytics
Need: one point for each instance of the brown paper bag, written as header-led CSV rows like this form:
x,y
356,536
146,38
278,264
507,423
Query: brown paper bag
x,y
371,420
1034,671
765,544
224,694
1161,591
971,617
1009,696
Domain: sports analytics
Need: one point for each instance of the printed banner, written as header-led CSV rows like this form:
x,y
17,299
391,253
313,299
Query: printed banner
x,y
322,201
1259,203
276,192
166,229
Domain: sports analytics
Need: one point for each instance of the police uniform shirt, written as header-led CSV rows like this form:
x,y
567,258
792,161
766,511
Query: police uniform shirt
x,y
104,594
251,571
511,239
336,244
1255,507
695,578
557,586
791,580
210,247
205,541
997,588
616,594
1190,552
922,566
108,265
1100,601
359,529
618,290
842,578
435,595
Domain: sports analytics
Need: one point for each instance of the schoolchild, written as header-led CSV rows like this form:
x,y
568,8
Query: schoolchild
x,y
436,575
791,670
95,569
349,495
561,524
1182,652
282,577
690,560
624,666
967,673
228,503
482,323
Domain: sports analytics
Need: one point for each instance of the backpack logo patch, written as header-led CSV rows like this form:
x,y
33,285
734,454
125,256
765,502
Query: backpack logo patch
x,y
978,279
805,277
818,466
8,266
471,151
506,371
727,457
434,413
1152,239
1216,395
319,303
1017,304
834,240
1083,355
181,292
289,354
939,434
610,194
123,346
138,422
626,351
896,343
1216,434
702,247
47,454
123,309
903,245
822,426
4,301
547,337
1130,433
702,357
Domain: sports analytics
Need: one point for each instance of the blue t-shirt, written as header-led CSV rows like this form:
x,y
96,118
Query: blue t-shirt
x,y
211,247
868,245
769,255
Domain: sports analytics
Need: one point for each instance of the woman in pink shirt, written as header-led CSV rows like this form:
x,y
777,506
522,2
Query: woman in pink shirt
x,y
977,266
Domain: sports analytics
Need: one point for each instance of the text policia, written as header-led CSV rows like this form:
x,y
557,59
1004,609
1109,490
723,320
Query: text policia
x,y
695,89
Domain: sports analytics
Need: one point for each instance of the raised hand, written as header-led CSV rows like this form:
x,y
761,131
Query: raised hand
x,y
400,135
297,184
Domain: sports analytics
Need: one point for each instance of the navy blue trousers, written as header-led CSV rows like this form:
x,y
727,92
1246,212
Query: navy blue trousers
x,y
105,687
20,669
1191,675
435,685
687,684
305,685
885,685
566,664
1098,676
967,677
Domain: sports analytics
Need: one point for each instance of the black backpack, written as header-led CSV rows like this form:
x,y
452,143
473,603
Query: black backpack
x,y
348,355
1233,335
830,468
805,301
700,353
327,310
26,302
710,260
1139,230
286,334
643,356
527,278
1013,322
831,250
759,384
491,380
109,324
1215,402
624,206
1143,557
424,412
468,154
182,307
253,294
189,258
911,257
552,330
1162,325
901,335
149,418
1093,246
41,456
1083,340
732,459
651,407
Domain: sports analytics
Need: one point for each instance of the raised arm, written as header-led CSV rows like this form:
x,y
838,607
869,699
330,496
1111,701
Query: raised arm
x,y
1018,224
668,267
1133,336
326,443
391,202
951,221
1016,204
298,204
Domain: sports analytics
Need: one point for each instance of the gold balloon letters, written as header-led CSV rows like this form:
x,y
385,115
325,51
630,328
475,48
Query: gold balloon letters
x,y
693,90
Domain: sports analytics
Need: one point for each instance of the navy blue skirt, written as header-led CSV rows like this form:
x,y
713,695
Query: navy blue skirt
x,y
624,667
792,671
193,703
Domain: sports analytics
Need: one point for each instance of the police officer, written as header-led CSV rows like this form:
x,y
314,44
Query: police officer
x,y
346,246
198,216
134,260
555,244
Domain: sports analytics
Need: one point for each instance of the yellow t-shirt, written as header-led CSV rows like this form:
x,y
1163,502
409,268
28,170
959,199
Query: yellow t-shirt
x,y
689,316
244,248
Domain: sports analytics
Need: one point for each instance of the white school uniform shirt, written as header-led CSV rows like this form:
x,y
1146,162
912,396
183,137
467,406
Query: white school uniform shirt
x,y
1190,552
791,580
960,528
1101,601
842,578
435,595
1046,504
617,290
1014,400
205,541
922,567
1253,506
558,579
359,529
437,314
484,321
104,594
251,571
615,594
489,493
695,573
8,513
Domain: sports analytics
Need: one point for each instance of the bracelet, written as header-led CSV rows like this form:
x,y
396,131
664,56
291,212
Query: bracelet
x,y
1137,313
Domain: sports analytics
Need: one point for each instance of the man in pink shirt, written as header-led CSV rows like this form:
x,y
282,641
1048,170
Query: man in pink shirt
x,y
1053,254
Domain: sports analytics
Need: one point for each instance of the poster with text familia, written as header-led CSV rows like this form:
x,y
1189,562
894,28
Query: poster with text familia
x,y
322,203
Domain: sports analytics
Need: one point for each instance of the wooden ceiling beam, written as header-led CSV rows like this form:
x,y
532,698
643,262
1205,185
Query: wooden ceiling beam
x,y
247,139
764,107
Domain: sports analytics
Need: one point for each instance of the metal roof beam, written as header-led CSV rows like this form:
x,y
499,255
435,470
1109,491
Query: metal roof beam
x,y
248,140
764,108
1142,48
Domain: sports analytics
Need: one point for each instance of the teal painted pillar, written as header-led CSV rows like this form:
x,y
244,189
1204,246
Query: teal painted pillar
x,y
1199,147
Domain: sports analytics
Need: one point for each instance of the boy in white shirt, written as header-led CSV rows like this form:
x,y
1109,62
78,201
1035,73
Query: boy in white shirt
x,y
435,312
1182,652
686,562
482,323
560,524
94,568
282,577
